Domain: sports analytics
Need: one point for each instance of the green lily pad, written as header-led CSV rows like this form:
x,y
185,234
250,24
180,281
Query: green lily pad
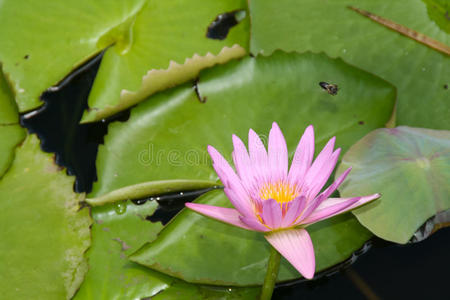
x,y
201,250
418,72
119,229
141,36
50,39
166,136
162,32
44,233
410,168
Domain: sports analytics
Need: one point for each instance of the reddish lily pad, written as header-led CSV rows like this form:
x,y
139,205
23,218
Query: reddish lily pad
x,y
410,167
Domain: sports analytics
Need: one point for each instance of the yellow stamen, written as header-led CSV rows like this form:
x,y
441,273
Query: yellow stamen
x,y
280,191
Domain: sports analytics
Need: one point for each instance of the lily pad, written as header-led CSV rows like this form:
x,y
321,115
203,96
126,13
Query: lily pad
x,y
418,72
201,250
162,35
50,39
166,136
118,230
44,233
410,167
140,36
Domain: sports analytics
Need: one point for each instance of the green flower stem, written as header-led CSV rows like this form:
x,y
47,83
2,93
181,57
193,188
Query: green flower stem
x,y
271,275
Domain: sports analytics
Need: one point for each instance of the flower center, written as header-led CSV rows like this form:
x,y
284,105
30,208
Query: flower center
x,y
280,191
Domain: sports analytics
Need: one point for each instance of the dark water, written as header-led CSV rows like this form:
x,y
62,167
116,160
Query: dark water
x,y
386,271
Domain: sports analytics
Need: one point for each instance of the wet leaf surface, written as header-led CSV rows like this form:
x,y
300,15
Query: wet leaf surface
x,y
44,233
410,167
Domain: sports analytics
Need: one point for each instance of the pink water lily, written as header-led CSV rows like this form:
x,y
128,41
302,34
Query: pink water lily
x,y
279,202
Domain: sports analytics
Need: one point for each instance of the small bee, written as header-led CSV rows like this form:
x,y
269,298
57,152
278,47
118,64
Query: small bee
x,y
331,89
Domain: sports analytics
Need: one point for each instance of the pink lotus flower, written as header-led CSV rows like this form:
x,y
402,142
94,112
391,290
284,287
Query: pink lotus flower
x,y
279,202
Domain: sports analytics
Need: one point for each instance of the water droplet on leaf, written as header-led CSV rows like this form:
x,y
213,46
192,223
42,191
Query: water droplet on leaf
x,y
120,208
